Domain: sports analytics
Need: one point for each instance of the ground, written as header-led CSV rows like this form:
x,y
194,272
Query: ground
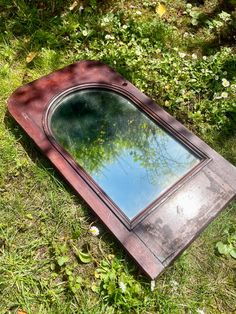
x,y
180,53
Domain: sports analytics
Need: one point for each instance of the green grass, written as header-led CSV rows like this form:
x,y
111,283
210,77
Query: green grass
x,y
42,219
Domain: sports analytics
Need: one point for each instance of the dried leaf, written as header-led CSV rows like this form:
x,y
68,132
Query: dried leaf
x,y
73,6
160,9
31,56
21,312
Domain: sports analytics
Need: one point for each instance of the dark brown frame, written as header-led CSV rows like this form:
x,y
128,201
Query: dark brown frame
x,y
162,231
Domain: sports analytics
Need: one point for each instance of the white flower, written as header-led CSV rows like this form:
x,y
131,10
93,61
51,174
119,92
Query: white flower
x,y
233,86
225,16
186,34
194,56
85,32
106,20
217,96
182,54
204,58
194,21
124,26
200,311
174,284
225,82
138,12
109,37
224,95
122,286
153,284
94,231
81,9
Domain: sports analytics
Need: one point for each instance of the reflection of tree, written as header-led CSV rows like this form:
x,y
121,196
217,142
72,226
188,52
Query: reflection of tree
x,y
98,127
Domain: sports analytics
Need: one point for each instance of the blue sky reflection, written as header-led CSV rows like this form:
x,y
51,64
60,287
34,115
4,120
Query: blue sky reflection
x,y
128,155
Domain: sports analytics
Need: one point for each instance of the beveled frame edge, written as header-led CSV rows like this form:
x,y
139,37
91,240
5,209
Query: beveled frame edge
x,y
111,205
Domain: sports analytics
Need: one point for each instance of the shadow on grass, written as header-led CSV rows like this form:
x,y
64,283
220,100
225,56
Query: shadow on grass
x,y
224,36
53,25
45,23
225,143
230,67
40,161
38,23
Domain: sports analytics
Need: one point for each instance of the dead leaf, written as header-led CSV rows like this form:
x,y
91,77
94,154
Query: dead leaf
x,y
73,6
160,9
21,312
31,56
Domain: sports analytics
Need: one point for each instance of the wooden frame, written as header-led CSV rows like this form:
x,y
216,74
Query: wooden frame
x,y
162,231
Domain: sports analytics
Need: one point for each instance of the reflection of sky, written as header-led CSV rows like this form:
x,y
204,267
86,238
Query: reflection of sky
x,y
132,187
127,184
140,159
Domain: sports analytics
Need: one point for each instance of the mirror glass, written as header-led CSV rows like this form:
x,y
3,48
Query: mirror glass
x,y
128,155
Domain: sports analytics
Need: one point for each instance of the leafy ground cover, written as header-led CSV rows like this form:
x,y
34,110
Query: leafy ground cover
x,y
180,53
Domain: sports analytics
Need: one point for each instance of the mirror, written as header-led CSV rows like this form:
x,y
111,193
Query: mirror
x,y
131,158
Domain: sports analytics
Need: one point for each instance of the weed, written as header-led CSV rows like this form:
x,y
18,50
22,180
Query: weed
x,y
117,287
229,247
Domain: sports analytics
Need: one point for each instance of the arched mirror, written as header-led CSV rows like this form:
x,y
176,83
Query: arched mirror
x,y
131,158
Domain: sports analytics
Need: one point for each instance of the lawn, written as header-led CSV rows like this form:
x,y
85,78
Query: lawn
x,y
183,55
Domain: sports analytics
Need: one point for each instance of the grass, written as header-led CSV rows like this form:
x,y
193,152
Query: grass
x,y
42,219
